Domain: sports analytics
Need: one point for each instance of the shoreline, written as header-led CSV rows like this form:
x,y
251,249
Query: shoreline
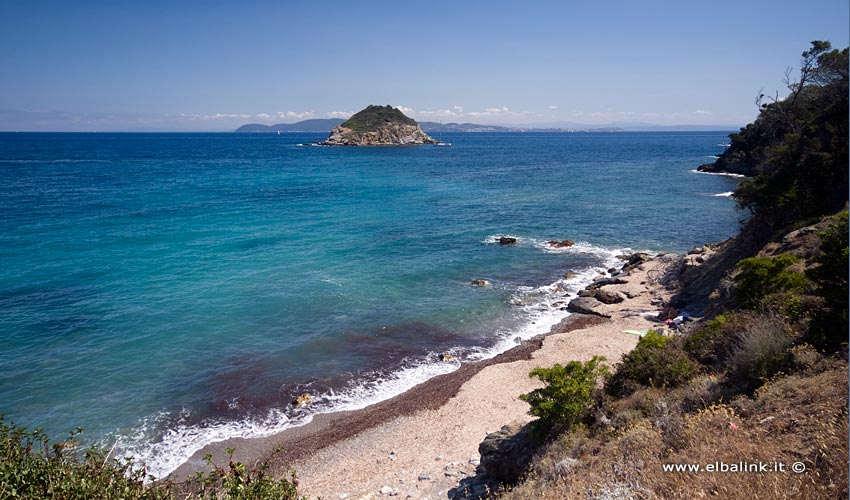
x,y
322,431
438,424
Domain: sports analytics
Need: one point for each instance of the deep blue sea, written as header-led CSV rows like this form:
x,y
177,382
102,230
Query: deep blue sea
x,y
164,291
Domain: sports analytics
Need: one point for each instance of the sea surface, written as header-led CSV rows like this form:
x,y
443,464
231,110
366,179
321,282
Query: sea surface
x,y
165,291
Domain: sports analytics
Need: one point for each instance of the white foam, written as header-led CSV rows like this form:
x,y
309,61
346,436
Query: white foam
x,y
727,194
724,174
180,443
545,306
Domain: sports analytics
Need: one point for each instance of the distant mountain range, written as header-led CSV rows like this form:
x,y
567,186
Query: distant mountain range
x,y
314,125
325,125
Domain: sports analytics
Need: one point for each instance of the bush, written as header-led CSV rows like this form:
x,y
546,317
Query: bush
x,y
761,277
762,352
654,362
32,468
707,344
829,328
237,482
567,397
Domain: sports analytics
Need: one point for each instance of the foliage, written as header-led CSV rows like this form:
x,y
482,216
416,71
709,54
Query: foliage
x,y
237,482
797,147
707,343
656,362
373,117
32,468
761,277
761,350
830,327
568,395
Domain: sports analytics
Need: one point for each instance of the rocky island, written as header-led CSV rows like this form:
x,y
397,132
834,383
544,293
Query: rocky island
x,y
378,126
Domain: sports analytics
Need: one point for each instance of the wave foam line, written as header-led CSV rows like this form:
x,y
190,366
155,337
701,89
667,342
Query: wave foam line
x,y
724,174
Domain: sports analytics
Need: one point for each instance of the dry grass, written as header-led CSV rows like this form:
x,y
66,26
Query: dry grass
x,y
798,418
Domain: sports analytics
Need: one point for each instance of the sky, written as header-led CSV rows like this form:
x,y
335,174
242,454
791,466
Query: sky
x,y
212,66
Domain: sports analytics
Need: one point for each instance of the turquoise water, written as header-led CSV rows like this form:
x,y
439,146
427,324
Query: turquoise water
x,y
168,290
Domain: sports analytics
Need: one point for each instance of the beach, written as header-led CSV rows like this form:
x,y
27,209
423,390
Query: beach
x,y
423,443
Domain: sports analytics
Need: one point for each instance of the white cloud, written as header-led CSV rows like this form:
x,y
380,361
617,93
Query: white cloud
x,y
295,115
703,112
214,116
263,116
340,114
405,109
553,107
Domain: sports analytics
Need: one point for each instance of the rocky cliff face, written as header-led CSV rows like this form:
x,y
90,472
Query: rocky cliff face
x,y
378,126
390,134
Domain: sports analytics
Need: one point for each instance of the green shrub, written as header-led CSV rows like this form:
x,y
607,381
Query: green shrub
x,y
31,468
829,328
707,344
237,482
567,397
654,362
761,277
762,351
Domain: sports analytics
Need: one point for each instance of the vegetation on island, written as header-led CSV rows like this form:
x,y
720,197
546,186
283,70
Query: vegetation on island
x,y
760,383
374,117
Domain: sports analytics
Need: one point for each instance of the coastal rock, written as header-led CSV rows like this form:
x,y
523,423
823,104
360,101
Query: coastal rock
x,y
479,283
506,240
587,305
446,358
561,244
636,259
506,453
609,296
569,275
302,399
378,126
599,283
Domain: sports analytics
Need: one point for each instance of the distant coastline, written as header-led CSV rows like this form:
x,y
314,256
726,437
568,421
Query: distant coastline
x,y
326,125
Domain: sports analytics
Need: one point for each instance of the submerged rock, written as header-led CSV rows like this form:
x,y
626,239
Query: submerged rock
x,y
479,283
303,399
561,244
506,240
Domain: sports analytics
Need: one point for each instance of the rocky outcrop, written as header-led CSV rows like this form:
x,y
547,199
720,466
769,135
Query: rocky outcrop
x,y
506,453
378,126
392,134
587,305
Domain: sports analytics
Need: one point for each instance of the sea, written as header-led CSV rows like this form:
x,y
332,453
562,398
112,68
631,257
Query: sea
x,y
167,291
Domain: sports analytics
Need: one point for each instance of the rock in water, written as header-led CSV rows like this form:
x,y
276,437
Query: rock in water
x,y
378,126
561,244
507,240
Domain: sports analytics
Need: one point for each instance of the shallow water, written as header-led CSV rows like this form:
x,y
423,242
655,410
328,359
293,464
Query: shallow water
x,y
167,290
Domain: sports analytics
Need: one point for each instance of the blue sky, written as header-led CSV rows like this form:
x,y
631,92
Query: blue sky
x,y
212,65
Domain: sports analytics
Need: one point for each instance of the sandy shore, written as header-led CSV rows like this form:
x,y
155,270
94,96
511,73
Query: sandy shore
x,y
424,442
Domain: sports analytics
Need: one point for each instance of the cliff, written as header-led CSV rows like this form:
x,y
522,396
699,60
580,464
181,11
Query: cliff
x,y
378,126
